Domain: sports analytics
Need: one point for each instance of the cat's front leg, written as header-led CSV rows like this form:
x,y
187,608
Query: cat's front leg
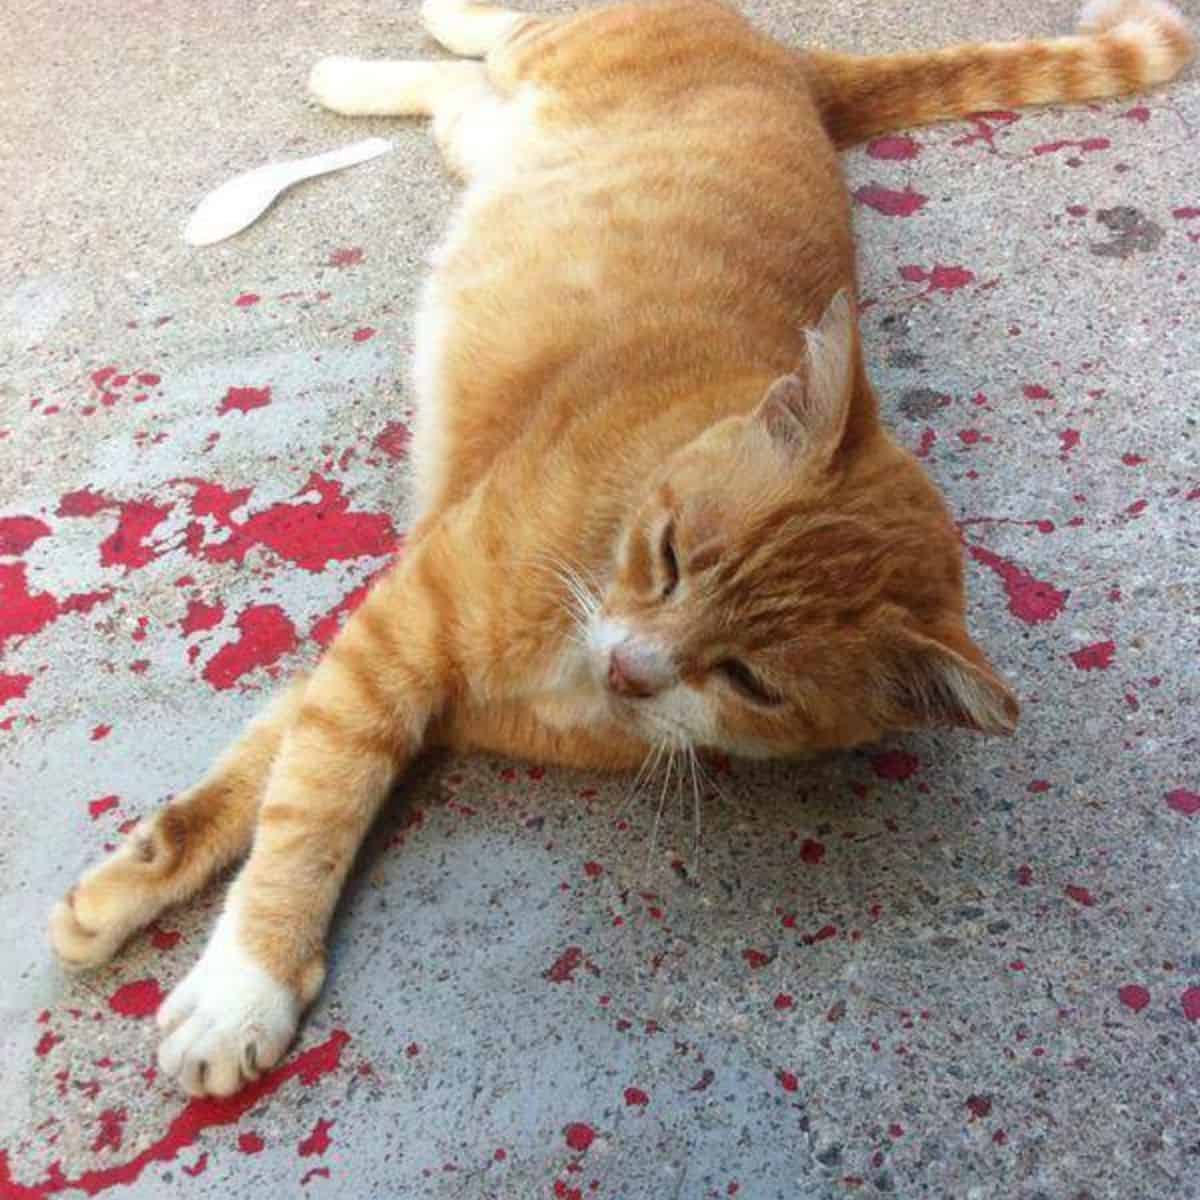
x,y
362,718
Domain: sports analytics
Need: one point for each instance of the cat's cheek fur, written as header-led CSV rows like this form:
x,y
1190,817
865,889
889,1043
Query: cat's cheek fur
x,y
228,1020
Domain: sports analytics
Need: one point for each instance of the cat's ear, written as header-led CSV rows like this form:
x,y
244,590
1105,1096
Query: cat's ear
x,y
807,410
947,680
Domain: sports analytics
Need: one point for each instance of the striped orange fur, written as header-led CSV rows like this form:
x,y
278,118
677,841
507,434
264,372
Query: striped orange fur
x,y
656,502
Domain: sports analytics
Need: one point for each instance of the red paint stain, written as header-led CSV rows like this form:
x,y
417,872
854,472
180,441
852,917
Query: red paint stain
x,y
890,202
1038,785
1035,391
311,535
317,1141
1185,214
22,612
1016,965
895,765
1139,113
1086,145
84,602
1096,657
636,1098
979,1106
198,1167
250,1143
579,1136
349,257
326,628
593,870
1080,895
136,521
201,616
1030,600
894,148
412,1050
247,300
1184,801
138,999
1190,1002
13,687
98,808
265,635
394,439
788,1081
783,1002
17,534
244,399
928,438
812,852
1133,996
112,1128
364,334
164,939
986,126
46,1043
100,733
756,959
939,278
196,1117
314,1173
565,966
1132,460
1068,439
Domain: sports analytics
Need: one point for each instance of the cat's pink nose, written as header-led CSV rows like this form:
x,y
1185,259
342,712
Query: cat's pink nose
x,y
624,678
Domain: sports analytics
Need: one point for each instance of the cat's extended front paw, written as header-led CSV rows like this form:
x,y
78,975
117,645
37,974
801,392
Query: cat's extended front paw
x,y
227,1021
343,85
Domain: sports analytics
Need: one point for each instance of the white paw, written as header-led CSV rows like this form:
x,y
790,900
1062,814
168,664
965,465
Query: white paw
x,y
343,85
228,1021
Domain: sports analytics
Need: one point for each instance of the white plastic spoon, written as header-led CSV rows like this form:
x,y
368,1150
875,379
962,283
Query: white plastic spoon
x,y
244,198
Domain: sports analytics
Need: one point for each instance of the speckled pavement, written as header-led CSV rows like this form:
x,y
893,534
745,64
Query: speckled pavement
x,y
944,967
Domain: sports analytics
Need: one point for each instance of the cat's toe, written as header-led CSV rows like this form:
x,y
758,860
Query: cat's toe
x,y
337,83
225,1023
78,938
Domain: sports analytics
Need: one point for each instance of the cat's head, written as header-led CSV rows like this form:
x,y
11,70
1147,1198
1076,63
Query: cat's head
x,y
792,581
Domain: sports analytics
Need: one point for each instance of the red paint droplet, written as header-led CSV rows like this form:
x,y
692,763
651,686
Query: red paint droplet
x,y
1030,600
1016,965
412,1050
17,534
783,1002
1133,996
1080,895
890,202
100,732
164,939
811,852
1068,440
394,439
349,257
1024,875
593,870
243,399
364,334
98,808
1097,657
265,635
247,300
755,959
895,765
46,1043
939,278
138,999
980,1106
1184,801
1035,391
635,1097
112,1127
894,148
317,1141
788,1081
1132,460
13,687
201,616
895,1130
565,966
1190,1002
579,1136
928,438
1039,785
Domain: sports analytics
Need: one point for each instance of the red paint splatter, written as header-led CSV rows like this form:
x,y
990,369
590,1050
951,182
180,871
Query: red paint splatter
x,y
980,1107
788,1081
13,687
940,278
317,1141
593,870
136,521
326,628
1184,801
197,1116
1086,145
201,616
22,612
756,959
198,1167
1133,996
244,399
100,733
1080,895
565,966
895,765
1035,391
46,1043
349,257
394,439
98,808
112,1128
986,126
783,1002
1190,1002
579,1136
163,939
17,534
138,999
928,438
635,1097
265,635
894,148
311,535
247,299
1038,786
314,1173
1139,113
1016,965
412,1050
84,602
364,334
1068,439
1096,657
1187,213
890,202
250,1143
1132,460
812,852
1030,600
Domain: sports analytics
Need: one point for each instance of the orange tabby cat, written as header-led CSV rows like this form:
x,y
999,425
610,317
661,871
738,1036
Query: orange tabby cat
x,y
656,501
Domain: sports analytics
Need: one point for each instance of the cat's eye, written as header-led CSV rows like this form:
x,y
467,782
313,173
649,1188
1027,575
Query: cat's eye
x,y
670,561
744,681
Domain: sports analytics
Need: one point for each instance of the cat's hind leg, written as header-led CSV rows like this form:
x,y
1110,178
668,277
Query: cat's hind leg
x,y
170,855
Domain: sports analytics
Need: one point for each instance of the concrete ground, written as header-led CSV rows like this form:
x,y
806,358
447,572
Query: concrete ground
x,y
945,967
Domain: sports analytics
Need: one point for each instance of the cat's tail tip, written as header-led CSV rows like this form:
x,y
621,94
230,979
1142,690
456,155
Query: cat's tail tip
x,y
1153,34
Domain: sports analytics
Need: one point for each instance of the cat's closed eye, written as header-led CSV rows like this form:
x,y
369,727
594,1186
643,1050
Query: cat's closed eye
x,y
746,683
670,561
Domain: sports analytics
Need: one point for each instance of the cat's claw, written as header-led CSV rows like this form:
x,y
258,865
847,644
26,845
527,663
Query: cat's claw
x,y
227,1021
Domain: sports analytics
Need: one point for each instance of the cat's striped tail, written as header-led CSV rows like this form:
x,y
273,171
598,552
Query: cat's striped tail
x,y
1122,46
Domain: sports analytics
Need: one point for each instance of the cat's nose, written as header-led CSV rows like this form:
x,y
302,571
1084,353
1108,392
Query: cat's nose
x,y
628,678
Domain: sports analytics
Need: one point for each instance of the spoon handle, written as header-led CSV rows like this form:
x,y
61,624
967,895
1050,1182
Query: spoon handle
x,y
335,160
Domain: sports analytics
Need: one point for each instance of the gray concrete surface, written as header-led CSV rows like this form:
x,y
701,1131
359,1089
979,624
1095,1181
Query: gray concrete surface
x,y
944,967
